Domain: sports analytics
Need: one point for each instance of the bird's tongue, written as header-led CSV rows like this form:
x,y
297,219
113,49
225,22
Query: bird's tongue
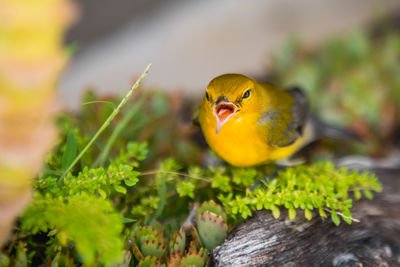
x,y
223,113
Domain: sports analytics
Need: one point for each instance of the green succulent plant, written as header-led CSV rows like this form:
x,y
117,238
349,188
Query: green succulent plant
x,y
153,247
194,257
187,246
211,224
212,207
149,261
178,241
148,242
174,260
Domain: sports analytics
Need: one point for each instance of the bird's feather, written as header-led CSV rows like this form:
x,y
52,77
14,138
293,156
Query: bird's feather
x,y
300,108
288,113
195,117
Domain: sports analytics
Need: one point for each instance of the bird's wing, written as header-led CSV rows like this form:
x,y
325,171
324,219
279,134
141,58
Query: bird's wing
x,y
285,122
300,108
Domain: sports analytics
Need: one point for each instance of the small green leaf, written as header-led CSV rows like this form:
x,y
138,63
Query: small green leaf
x,y
185,188
368,194
347,217
357,194
308,214
245,212
162,190
221,182
335,218
108,103
102,193
322,213
127,220
275,212
51,233
70,151
120,189
292,213
131,181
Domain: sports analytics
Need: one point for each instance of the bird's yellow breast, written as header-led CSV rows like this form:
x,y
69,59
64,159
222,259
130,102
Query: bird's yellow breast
x,y
241,142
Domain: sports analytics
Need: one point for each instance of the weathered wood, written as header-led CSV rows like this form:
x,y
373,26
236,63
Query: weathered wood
x,y
374,241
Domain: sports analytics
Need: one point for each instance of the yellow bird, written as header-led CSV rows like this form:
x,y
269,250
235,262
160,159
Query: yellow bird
x,y
249,123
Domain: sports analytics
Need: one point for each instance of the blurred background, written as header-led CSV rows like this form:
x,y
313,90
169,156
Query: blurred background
x,y
190,42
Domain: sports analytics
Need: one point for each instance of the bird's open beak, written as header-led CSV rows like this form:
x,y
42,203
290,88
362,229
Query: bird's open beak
x,y
223,111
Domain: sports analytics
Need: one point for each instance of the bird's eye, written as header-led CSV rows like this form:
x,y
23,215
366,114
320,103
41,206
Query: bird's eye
x,y
207,96
246,94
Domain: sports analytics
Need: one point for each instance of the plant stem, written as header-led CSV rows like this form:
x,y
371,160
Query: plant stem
x,y
344,216
108,121
174,173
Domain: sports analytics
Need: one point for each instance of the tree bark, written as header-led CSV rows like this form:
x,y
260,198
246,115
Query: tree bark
x,y
374,241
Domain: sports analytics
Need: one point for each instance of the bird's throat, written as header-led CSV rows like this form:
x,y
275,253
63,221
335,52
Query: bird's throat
x,y
224,112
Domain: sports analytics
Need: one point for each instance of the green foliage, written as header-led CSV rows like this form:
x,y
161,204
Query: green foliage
x,y
78,220
62,260
320,187
69,152
185,188
99,180
211,206
212,225
89,209
148,261
178,241
78,209
212,229
360,66
149,242
221,182
197,259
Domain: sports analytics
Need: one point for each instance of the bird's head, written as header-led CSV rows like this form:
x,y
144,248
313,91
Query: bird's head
x,y
230,95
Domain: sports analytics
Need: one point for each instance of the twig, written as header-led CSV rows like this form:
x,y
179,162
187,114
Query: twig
x,y
174,173
344,216
190,218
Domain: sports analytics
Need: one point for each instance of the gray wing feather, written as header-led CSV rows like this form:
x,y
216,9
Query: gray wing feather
x,y
300,109
294,124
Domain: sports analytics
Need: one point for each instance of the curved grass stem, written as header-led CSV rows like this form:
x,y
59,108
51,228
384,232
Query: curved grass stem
x,y
108,121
